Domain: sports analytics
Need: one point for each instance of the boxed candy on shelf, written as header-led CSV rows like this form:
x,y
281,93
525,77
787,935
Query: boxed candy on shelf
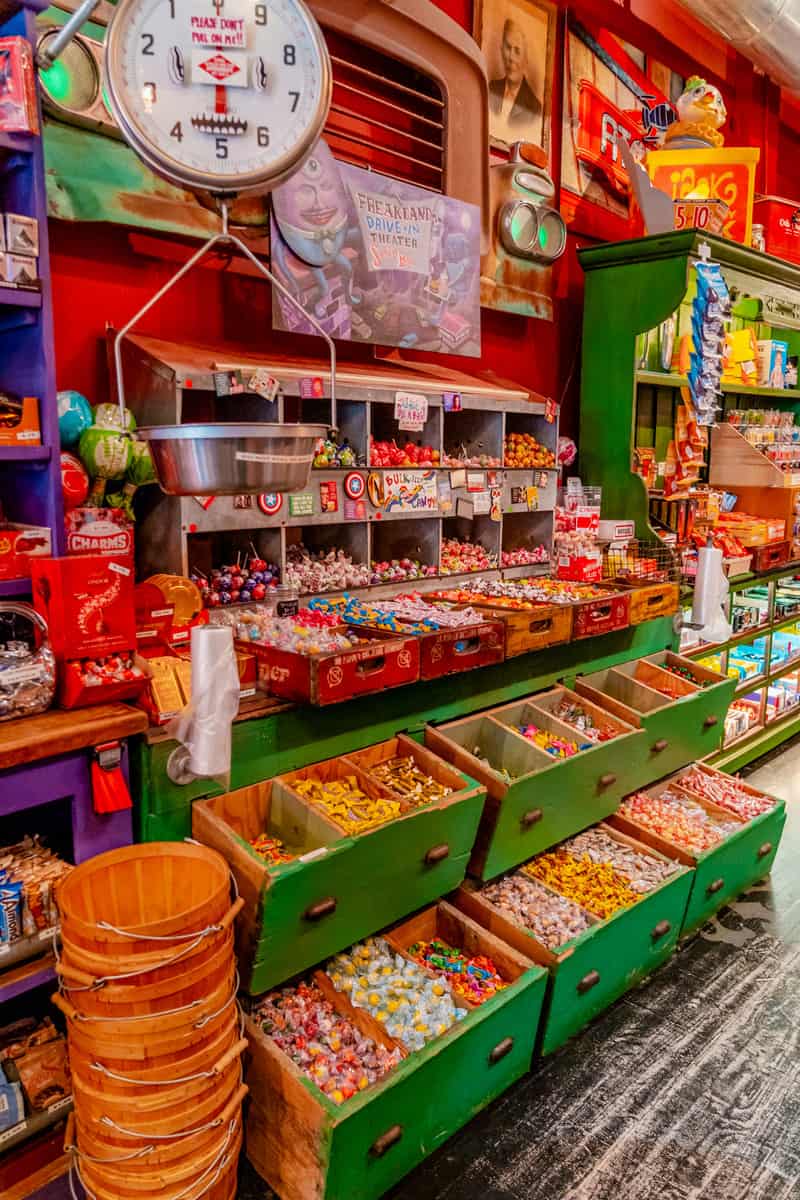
x,y
106,531
18,108
87,601
771,358
18,270
100,680
19,420
21,235
18,545
29,876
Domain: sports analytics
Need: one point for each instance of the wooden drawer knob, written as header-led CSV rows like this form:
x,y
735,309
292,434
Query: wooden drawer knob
x,y
660,746
715,887
710,722
588,982
501,1050
661,930
385,1142
529,819
437,854
607,780
764,850
323,908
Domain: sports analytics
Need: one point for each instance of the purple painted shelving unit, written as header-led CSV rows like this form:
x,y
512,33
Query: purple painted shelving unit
x,y
30,476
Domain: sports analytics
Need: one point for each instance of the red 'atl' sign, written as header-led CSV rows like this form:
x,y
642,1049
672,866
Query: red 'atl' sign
x,y
219,67
601,126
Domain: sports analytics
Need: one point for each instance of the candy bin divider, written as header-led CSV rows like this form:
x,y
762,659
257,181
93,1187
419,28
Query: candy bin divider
x,y
329,771
632,692
362,1018
544,700
623,712
403,745
652,675
700,672
502,737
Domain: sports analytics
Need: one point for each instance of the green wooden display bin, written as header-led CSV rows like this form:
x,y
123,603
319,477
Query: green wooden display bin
x,y
306,1146
601,964
678,731
549,799
339,888
725,871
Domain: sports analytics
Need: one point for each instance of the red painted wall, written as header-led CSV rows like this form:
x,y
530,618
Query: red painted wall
x,y
99,279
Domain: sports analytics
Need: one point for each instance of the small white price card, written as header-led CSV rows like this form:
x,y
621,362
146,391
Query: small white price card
x,y
410,410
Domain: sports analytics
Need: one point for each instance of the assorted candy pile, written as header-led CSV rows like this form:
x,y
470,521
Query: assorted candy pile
x,y
686,673
727,792
412,454
523,450
551,743
29,876
552,919
572,713
643,872
237,584
347,805
308,632
329,571
677,819
414,608
462,459
474,979
328,1048
333,453
402,776
521,593
402,615
498,769
271,849
663,687
116,668
597,887
524,556
459,558
413,1006
399,570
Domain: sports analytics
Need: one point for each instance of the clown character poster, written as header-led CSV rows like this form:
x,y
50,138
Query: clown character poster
x,y
376,260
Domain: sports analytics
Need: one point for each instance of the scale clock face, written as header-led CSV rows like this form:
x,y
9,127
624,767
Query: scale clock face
x,y
224,96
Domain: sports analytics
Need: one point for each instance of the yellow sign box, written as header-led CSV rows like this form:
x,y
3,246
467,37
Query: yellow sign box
x,y
728,175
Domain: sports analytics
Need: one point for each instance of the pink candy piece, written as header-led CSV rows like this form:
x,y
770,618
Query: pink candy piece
x,y
727,792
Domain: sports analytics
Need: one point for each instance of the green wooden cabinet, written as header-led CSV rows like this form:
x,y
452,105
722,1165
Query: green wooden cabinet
x,y
338,889
601,964
304,1145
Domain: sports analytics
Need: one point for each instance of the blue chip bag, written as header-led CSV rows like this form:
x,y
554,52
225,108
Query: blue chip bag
x,y
10,912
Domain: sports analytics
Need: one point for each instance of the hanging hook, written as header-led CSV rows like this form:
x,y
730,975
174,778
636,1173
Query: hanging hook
x,y
227,238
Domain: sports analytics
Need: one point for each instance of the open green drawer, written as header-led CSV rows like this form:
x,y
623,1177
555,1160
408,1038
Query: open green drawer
x,y
337,889
726,870
678,729
605,961
547,799
306,1146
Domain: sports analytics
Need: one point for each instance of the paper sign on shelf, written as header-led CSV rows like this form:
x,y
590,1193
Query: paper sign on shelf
x,y
458,479
411,410
476,481
481,504
410,491
301,504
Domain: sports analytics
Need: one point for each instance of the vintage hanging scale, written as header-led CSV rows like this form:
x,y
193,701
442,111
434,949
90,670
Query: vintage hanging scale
x,y
223,97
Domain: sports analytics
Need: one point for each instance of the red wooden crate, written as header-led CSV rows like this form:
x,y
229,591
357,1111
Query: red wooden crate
x,y
379,662
448,651
603,615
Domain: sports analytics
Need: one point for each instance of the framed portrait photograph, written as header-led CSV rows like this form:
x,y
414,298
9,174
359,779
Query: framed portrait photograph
x,y
518,39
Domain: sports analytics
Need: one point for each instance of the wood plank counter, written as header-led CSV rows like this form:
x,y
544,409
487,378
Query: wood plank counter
x,y
31,739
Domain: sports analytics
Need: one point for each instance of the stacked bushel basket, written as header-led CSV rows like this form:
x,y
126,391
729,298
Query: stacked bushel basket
x,y
148,985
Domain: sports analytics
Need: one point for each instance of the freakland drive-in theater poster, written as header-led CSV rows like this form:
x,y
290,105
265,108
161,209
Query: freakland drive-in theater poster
x,y
375,259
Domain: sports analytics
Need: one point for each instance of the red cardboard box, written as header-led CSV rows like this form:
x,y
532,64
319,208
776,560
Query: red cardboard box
x,y
73,692
18,109
18,545
87,601
781,221
25,431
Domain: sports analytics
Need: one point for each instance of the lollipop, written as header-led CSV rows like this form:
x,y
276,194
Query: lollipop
x,y
140,472
74,417
106,416
74,481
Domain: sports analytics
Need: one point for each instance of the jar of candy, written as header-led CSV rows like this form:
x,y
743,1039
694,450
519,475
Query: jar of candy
x,y
282,600
27,664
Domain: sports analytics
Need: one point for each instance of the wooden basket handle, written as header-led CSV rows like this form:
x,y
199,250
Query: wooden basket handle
x,y
64,1006
232,913
67,972
69,1134
236,1101
231,1056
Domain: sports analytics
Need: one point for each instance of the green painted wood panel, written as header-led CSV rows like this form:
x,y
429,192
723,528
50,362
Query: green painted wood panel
x,y
737,863
622,950
434,1092
268,746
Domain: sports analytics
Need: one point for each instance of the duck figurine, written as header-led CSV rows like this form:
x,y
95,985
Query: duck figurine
x,y
701,113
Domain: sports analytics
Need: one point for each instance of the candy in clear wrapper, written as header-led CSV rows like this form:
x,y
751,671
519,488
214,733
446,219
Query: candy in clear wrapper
x,y
27,669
